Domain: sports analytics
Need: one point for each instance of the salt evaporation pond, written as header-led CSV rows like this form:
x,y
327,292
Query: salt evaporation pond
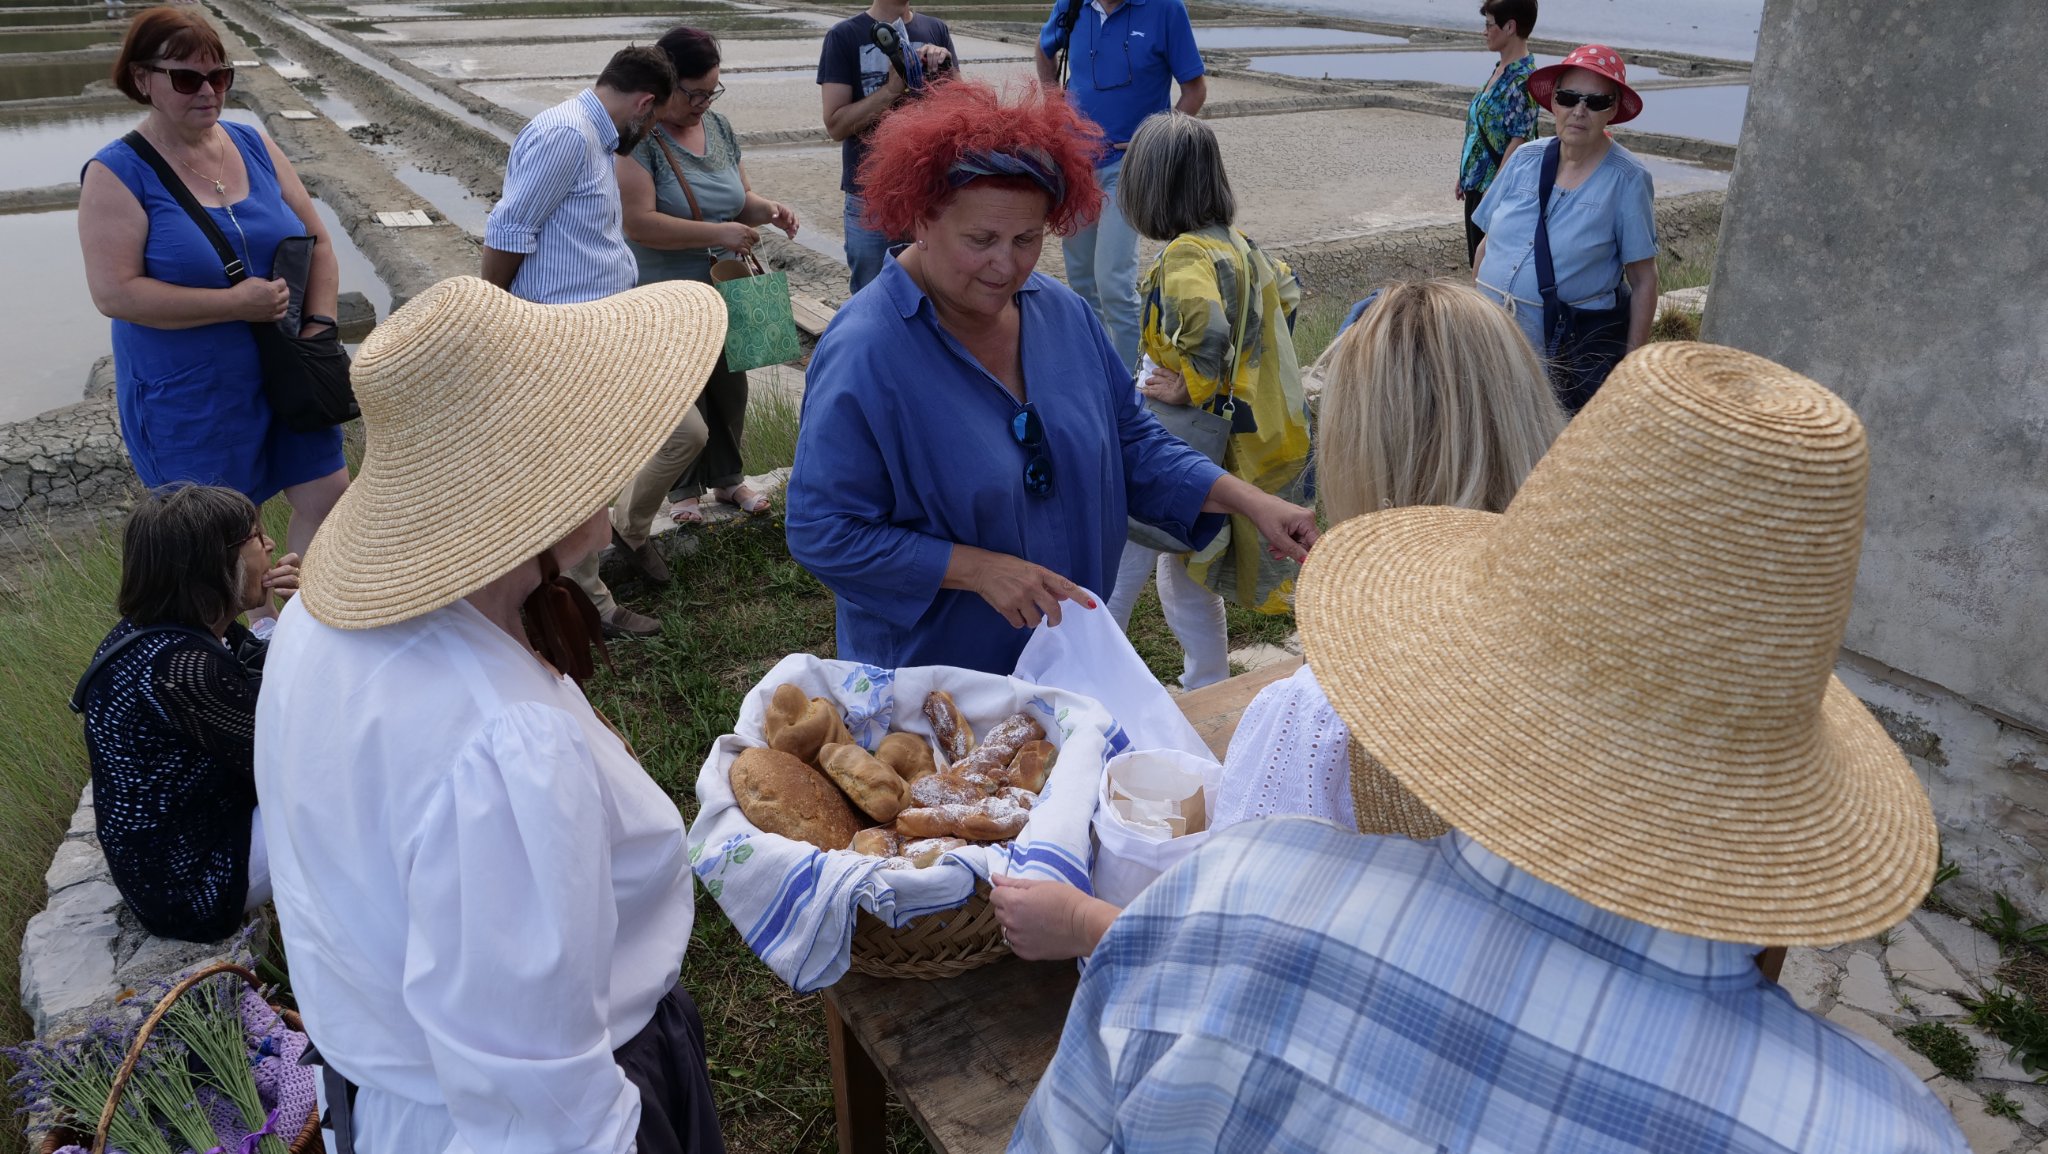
x,y
1288,37
1446,66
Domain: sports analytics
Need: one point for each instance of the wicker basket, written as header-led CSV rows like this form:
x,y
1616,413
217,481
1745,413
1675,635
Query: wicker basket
x,y
308,1138
936,945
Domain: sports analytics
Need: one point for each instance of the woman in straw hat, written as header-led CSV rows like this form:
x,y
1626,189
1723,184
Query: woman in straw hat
x,y
1619,693
1431,398
485,898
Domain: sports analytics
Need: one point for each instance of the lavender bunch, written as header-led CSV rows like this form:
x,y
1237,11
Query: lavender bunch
x,y
73,1078
164,1086
208,1020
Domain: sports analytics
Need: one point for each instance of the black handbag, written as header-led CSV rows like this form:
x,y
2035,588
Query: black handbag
x,y
1581,346
304,378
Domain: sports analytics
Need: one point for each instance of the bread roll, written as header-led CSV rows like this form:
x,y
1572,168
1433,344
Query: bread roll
x,y
1000,744
1029,768
782,795
930,821
997,818
909,755
924,852
802,731
878,841
873,786
947,789
956,737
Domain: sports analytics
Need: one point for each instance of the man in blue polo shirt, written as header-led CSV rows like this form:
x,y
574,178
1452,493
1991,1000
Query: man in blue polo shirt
x,y
1122,60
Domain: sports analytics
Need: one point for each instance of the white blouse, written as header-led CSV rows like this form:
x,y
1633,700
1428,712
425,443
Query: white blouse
x,y
1290,756
481,892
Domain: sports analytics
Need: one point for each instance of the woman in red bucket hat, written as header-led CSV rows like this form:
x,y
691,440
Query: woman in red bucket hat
x,y
1571,231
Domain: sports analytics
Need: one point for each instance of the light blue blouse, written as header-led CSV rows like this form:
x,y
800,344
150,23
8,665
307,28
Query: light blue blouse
x,y
1608,221
904,450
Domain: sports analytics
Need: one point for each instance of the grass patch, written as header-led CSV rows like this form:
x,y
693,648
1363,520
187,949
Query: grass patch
x,y
1943,1045
1999,1105
770,438
1316,324
2015,1018
1674,273
1675,325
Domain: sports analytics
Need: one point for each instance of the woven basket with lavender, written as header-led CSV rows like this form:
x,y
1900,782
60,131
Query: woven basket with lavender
x,y
213,1069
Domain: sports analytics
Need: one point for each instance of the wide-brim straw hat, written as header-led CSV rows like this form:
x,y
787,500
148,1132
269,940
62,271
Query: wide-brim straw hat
x,y
492,428
1599,58
1624,683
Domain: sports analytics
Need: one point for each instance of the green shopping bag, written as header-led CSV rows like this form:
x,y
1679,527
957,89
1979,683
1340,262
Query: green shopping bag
x,y
760,329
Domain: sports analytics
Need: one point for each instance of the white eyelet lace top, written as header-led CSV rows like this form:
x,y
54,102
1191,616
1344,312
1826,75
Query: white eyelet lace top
x,y
1289,756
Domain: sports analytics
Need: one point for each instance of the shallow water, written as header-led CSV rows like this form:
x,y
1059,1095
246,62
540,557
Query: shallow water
x,y
394,76
34,19
1722,28
62,40
1439,66
357,273
1288,37
51,149
69,334
427,31
44,80
1711,112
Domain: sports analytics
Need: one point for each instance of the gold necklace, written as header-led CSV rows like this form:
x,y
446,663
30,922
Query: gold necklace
x,y
220,189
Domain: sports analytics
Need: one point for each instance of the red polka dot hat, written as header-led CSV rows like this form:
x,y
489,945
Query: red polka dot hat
x,y
1593,58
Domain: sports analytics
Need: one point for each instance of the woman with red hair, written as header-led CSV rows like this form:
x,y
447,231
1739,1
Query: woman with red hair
x,y
971,443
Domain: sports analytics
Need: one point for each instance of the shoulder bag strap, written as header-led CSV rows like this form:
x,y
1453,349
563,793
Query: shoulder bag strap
x,y
676,167
231,264
1546,273
100,663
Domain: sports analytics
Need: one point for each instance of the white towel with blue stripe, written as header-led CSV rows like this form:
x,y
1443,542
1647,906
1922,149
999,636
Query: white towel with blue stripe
x,y
795,904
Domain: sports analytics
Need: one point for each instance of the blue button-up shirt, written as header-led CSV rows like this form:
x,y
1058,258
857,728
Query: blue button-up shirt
x,y
561,207
905,450
1122,64
1293,986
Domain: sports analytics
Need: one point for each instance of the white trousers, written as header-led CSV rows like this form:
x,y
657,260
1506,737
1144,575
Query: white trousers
x,y
1193,613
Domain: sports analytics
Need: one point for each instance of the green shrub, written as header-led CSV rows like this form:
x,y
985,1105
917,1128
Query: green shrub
x,y
1943,1045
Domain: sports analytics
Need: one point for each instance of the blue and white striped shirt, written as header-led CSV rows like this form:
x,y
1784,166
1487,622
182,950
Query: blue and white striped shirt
x,y
1297,987
561,207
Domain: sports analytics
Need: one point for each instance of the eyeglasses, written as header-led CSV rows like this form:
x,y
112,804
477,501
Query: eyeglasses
x,y
186,81
699,97
253,535
1566,98
1029,431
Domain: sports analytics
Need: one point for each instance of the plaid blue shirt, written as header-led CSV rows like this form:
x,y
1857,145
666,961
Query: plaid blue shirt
x,y
1297,987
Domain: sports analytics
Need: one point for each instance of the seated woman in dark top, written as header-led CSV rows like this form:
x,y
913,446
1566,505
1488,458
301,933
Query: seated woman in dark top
x,y
170,708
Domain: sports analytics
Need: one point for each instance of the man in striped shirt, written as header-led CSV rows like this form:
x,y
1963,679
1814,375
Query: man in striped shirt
x,y
557,236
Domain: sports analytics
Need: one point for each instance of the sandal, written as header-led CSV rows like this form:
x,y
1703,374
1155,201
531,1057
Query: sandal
x,y
752,504
686,512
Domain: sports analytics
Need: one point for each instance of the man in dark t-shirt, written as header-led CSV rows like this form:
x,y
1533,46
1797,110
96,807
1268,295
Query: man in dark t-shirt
x,y
857,85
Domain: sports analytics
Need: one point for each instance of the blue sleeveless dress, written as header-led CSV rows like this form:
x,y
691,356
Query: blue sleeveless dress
x,y
191,400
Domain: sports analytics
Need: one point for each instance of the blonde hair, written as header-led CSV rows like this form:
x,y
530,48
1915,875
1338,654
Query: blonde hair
x,y
1433,398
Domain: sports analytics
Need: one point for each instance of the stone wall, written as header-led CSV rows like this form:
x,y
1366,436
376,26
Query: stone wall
x,y
85,951
64,466
1687,228
1882,242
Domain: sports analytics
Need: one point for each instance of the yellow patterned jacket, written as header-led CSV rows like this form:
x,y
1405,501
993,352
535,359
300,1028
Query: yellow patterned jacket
x,y
1192,293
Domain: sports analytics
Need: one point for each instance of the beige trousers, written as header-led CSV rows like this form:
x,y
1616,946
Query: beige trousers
x,y
633,512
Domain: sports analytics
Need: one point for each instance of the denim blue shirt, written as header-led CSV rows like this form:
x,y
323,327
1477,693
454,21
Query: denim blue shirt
x,y
561,207
904,450
1294,986
1124,64
1608,221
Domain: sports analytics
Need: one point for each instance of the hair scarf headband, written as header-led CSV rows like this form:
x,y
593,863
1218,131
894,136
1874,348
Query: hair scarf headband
x,y
562,623
1034,164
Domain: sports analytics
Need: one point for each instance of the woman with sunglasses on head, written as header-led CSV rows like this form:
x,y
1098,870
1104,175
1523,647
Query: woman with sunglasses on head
x,y
1601,221
188,379
971,445
170,712
687,201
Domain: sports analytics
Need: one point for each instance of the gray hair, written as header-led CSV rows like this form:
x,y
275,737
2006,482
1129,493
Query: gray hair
x,y
1173,179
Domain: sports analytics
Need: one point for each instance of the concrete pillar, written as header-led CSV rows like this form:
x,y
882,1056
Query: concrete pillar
x,y
1886,233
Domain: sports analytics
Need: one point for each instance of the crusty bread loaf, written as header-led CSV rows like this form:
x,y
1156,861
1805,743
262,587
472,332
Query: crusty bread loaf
x,y
782,795
873,786
997,818
909,755
878,841
801,726
948,789
1033,762
956,736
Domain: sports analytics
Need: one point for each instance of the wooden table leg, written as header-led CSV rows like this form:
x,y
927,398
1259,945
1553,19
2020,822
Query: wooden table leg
x,y
858,1092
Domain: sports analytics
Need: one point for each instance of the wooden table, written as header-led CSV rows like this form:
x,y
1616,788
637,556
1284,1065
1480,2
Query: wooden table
x,y
963,1054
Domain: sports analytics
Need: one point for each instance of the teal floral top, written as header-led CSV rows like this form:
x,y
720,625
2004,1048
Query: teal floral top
x,y
1502,111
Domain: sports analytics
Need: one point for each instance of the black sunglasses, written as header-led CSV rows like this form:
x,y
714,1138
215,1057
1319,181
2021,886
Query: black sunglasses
x,y
1029,431
186,81
1566,98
